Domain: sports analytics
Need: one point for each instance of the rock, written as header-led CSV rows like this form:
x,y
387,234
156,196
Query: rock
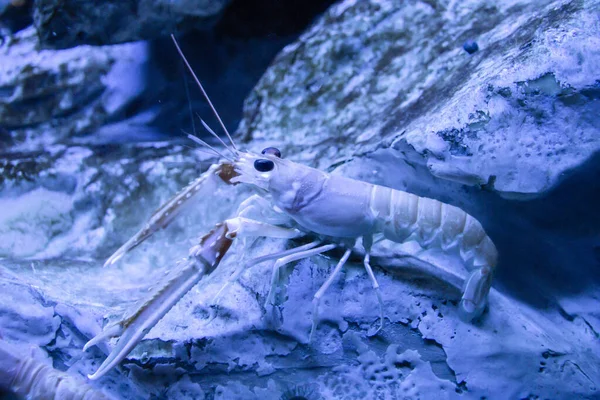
x,y
63,24
74,202
156,94
32,317
514,117
47,96
229,56
379,91
423,348
22,317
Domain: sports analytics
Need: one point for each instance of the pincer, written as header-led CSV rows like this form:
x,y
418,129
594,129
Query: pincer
x,y
167,212
202,260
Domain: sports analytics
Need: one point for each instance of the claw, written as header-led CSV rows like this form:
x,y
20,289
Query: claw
x,y
202,260
108,333
132,243
166,213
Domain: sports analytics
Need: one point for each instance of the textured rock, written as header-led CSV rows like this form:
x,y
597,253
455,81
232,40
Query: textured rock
x,y
253,352
514,116
62,24
82,201
58,328
154,97
47,96
383,92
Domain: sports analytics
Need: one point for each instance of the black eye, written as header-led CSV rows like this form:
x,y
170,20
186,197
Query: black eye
x,y
263,165
272,151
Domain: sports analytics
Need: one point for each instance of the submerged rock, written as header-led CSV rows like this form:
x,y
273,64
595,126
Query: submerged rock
x,y
138,91
380,91
79,202
515,116
47,96
63,24
252,351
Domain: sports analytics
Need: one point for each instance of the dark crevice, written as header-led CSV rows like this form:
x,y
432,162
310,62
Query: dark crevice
x,y
264,18
591,328
228,60
565,314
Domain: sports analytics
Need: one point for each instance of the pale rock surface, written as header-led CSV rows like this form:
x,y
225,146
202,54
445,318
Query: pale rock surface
x,y
47,96
514,116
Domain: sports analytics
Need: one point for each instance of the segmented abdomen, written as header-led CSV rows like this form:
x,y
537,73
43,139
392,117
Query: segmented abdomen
x,y
404,216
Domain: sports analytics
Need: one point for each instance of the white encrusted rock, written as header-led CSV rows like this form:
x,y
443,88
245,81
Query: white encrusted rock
x,y
48,96
514,116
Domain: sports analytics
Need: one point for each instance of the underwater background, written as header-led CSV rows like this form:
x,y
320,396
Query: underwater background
x,y
493,107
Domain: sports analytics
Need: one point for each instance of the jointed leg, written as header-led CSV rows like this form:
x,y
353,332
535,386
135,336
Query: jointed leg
x,y
258,208
323,288
376,288
244,227
234,277
367,243
288,259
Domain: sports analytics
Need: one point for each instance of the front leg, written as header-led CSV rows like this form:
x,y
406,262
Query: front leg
x,y
202,260
167,212
257,208
245,227
260,209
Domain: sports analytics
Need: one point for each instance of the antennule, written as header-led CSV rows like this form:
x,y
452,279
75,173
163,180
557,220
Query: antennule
x,y
203,143
203,91
205,125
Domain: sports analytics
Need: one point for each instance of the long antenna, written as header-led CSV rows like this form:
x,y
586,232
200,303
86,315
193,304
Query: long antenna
x,y
203,143
202,89
215,135
187,95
